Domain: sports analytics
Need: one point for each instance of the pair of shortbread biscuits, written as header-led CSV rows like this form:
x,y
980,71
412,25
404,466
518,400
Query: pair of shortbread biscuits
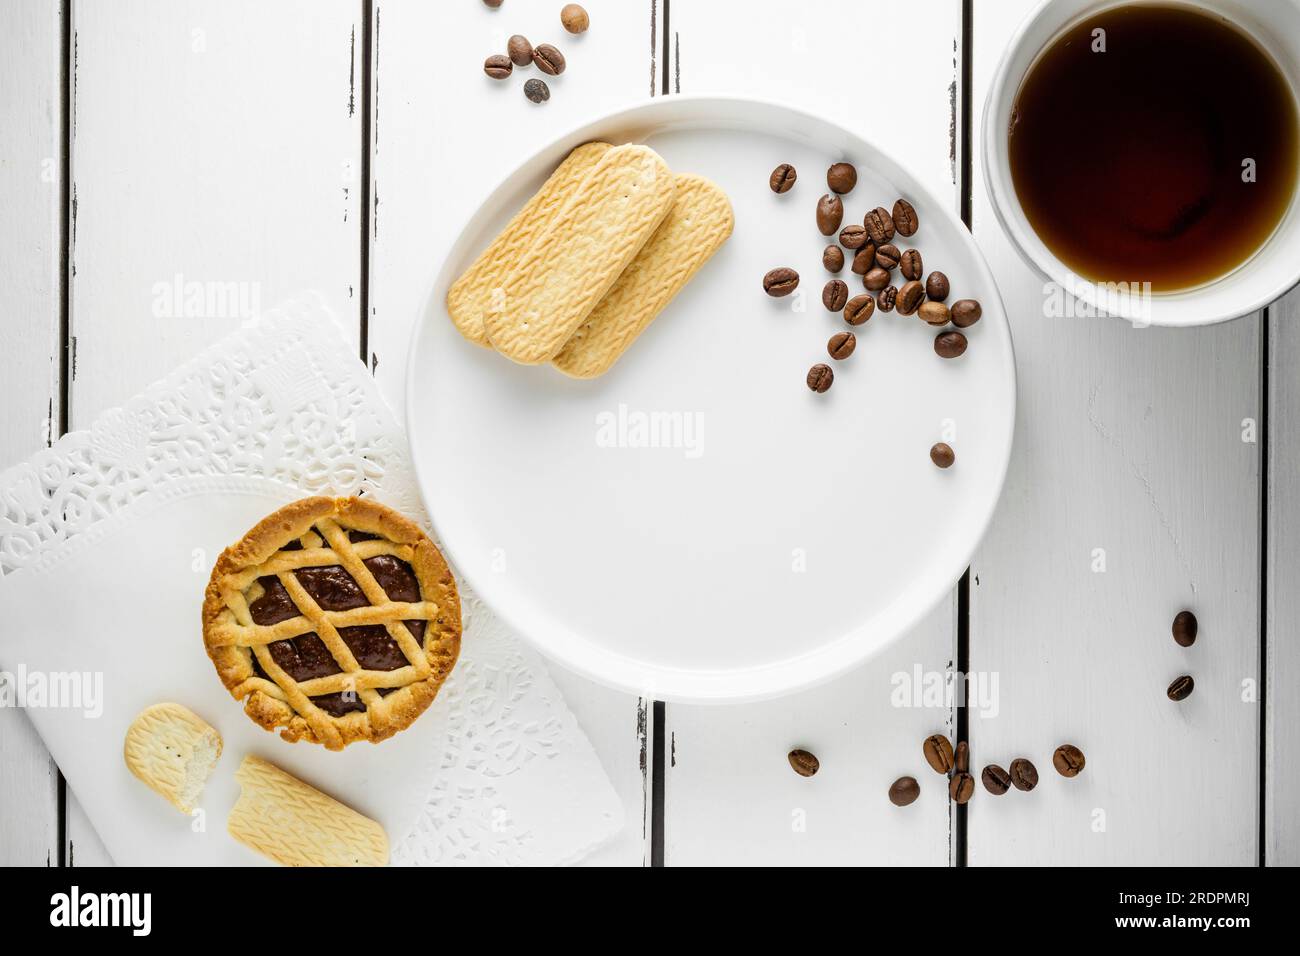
x,y
590,261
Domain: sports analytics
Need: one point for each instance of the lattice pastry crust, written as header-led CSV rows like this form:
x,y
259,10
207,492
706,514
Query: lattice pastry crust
x,y
301,628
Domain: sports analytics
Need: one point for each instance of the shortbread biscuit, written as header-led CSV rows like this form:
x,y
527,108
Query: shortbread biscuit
x,y
608,220
701,220
173,751
295,824
469,296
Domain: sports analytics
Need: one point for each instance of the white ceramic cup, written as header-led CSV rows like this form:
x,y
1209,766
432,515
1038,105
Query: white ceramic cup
x,y
1261,279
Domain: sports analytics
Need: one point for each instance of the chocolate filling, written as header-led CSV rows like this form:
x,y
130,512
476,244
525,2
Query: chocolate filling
x,y
306,656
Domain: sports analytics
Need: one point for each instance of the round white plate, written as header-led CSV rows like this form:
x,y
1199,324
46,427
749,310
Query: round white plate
x,y
781,536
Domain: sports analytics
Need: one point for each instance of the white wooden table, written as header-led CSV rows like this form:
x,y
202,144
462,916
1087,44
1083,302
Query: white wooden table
x,y
339,144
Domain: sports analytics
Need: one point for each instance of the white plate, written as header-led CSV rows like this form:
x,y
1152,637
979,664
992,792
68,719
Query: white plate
x,y
789,535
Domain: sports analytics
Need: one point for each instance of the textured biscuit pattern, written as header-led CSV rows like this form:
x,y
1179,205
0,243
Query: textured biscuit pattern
x,y
172,750
701,220
608,220
470,295
295,824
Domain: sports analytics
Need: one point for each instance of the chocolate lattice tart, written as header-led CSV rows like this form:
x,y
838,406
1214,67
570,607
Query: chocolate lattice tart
x,y
335,619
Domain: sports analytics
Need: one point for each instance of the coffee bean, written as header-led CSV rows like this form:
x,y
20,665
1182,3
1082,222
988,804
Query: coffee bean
x,y
887,256
1068,760
830,213
805,764
905,220
904,791
574,18
887,297
842,177
1181,688
780,282
853,236
865,259
942,455
492,3
996,780
835,295
497,66
880,225
910,297
548,59
876,279
936,286
938,752
1185,628
965,313
859,309
909,264
833,258
962,759
949,345
537,91
820,377
841,345
961,787
782,178
1024,775
520,50
933,313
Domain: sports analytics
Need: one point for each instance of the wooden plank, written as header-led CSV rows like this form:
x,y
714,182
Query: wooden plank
x,y
214,141
1132,494
1282,720
443,136
731,796
31,191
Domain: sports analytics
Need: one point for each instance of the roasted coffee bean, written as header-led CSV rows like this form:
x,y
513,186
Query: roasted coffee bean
x,y
1181,688
1024,775
830,213
1068,760
835,295
961,787
880,225
853,236
996,780
909,264
965,313
537,91
936,286
910,297
859,309
876,279
865,259
961,760
833,258
942,454
887,297
820,377
492,3
782,178
904,791
841,345
933,313
887,256
805,764
548,59
905,220
574,18
949,345
498,66
1185,628
842,177
938,753
780,282
520,50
